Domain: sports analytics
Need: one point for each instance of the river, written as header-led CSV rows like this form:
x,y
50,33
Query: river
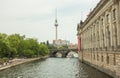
x,y
53,68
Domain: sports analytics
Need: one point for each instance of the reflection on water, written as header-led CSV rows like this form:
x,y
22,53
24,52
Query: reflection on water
x,y
53,68
72,54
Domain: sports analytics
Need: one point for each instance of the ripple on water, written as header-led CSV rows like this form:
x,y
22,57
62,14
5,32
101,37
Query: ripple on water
x,y
53,68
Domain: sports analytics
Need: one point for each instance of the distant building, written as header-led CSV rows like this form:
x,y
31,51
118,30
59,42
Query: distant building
x,y
72,46
61,42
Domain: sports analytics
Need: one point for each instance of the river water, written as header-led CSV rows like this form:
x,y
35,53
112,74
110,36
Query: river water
x,y
53,68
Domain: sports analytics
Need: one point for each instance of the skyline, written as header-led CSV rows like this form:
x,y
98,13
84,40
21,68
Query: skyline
x,y
36,18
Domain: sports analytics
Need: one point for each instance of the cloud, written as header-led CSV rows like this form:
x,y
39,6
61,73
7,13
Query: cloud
x,y
35,18
25,7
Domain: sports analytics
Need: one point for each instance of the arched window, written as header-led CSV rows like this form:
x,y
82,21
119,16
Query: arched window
x,y
114,14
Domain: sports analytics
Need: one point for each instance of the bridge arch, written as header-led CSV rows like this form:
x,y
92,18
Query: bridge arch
x,y
62,53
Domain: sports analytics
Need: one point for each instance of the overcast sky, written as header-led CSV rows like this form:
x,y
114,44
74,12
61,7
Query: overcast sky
x,y
35,18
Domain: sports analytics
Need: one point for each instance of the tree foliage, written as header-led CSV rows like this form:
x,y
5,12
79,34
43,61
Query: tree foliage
x,y
63,47
51,46
43,49
18,46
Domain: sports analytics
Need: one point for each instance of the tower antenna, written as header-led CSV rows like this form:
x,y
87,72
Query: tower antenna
x,y
56,25
56,13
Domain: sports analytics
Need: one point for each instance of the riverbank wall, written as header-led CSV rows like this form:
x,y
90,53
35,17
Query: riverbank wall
x,y
107,62
21,61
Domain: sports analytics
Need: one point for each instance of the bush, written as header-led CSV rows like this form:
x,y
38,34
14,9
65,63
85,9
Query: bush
x,y
5,59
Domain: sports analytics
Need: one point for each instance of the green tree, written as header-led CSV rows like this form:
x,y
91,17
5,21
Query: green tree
x,y
18,46
43,49
34,46
14,41
51,46
63,47
3,36
4,49
12,52
47,43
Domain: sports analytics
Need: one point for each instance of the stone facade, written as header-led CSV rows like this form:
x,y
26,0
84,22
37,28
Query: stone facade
x,y
100,37
107,62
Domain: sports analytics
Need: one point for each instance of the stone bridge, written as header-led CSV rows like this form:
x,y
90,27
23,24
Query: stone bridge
x,y
64,52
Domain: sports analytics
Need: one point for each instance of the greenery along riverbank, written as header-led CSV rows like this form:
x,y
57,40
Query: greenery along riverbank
x,y
15,45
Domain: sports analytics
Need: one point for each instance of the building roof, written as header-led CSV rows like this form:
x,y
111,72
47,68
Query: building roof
x,y
99,6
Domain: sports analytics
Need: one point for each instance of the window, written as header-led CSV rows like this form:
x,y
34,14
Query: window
x,y
107,18
114,14
102,58
102,22
97,57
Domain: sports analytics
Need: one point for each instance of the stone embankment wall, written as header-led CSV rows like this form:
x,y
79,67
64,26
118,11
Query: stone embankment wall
x,y
107,62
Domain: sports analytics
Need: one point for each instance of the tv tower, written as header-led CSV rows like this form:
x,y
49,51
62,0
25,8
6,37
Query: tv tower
x,y
56,25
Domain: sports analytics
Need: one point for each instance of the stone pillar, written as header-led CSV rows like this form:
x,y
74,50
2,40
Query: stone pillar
x,y
93,37
98,34
104,30
116,28
89,38
118,23
81,41
94,46
107,26
86,40
111,31
102,34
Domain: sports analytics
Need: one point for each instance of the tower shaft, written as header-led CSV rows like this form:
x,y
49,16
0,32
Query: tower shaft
x,y
56,25
56,33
